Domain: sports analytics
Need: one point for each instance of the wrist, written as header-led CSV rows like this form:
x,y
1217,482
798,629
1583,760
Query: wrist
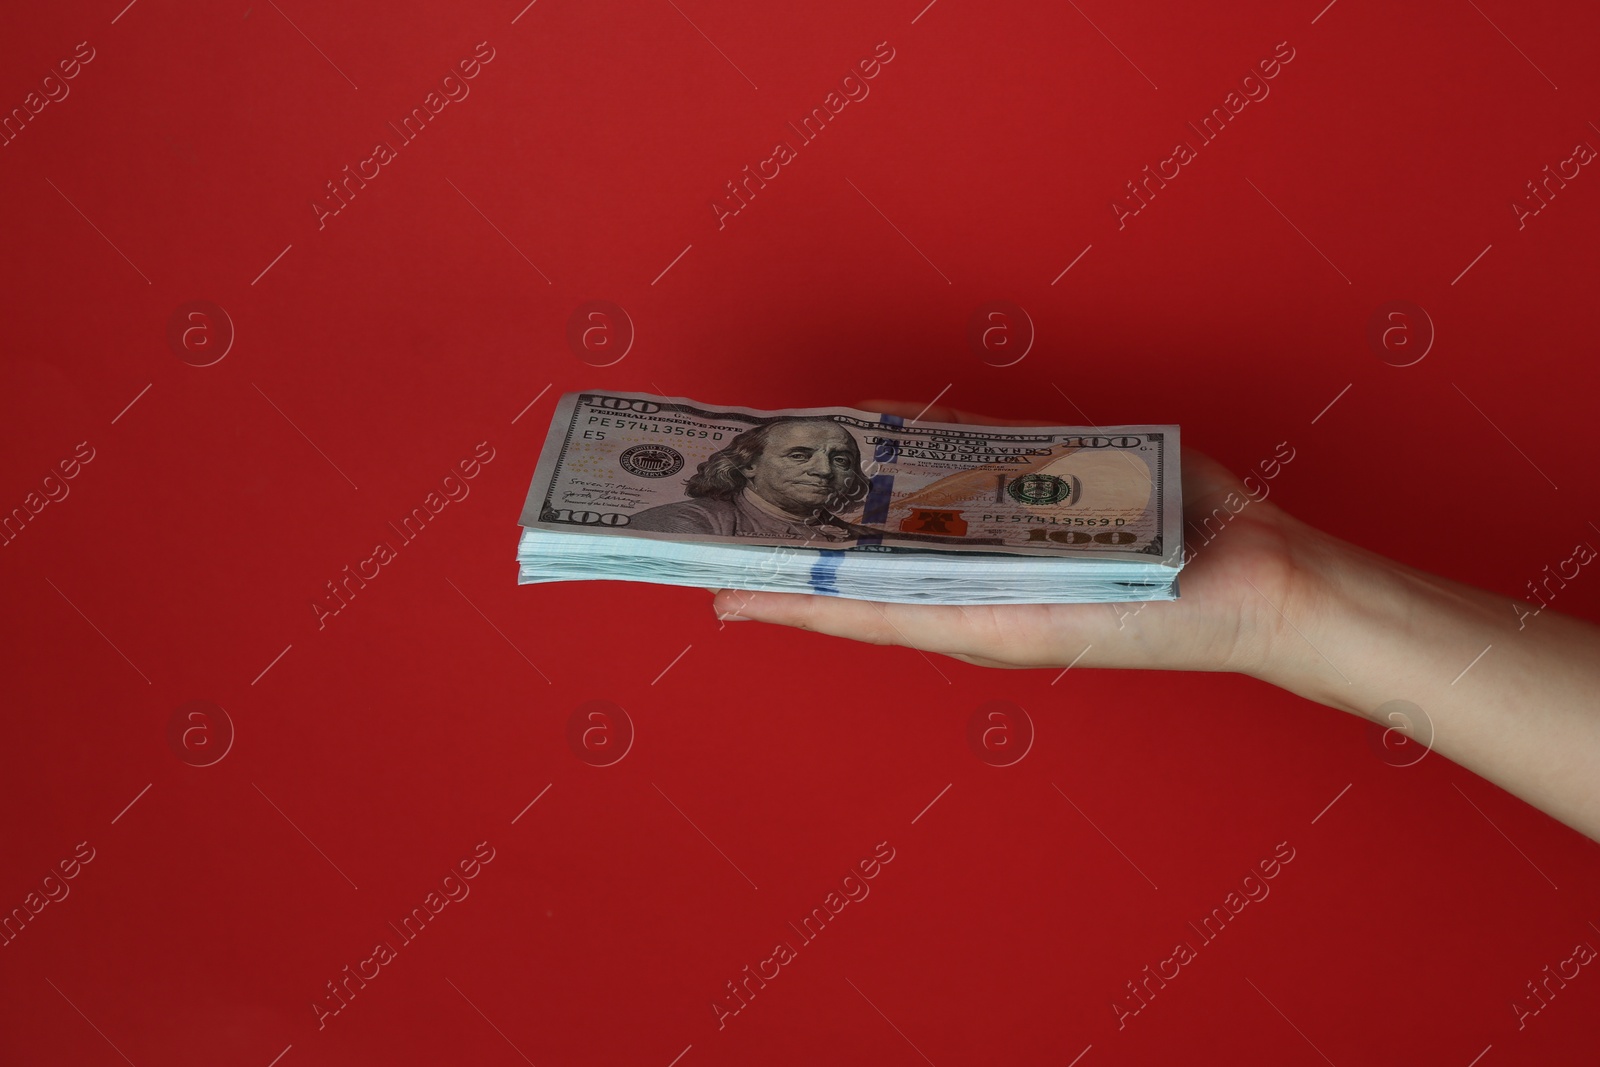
x,y
1362,630
1339,600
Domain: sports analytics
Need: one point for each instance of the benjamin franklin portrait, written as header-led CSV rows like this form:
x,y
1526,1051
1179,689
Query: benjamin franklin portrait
x,y
784,478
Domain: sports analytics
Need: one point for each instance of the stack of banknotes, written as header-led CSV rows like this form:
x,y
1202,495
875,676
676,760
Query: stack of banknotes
x,y
852,503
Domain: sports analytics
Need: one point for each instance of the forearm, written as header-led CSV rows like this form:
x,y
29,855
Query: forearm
x,y
1525,714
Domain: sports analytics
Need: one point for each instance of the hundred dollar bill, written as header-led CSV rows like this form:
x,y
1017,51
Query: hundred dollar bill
x,y
667,469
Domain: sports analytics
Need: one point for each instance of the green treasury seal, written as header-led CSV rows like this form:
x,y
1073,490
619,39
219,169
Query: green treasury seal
x,y
1039,489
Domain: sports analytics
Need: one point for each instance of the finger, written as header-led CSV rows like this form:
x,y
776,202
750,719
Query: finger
x,y
940,413
1164,635
1012,635
1204,479
930,627
1207,483
906,409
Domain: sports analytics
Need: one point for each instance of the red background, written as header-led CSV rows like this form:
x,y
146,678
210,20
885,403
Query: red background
x,y
372,754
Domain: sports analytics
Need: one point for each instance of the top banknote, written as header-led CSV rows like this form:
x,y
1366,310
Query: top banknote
x,y
657,468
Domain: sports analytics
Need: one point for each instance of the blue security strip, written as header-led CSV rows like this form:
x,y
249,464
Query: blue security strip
x,y
887,451
876,510
825,571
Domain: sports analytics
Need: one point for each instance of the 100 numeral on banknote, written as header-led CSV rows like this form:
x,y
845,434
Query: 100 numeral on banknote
x,y
667,468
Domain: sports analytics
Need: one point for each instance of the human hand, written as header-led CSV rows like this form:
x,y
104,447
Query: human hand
x,y
1228,618
1270,596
